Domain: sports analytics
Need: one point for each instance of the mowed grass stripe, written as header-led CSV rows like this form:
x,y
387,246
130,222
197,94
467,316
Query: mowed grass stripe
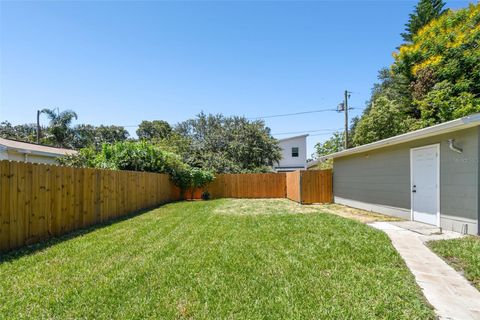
x,y
204,260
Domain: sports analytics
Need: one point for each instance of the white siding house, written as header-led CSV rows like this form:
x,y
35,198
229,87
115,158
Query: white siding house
x,y
30,152
294,154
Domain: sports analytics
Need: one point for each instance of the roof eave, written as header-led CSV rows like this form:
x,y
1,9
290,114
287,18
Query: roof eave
x,y
312,163
446,127
40,153
294,137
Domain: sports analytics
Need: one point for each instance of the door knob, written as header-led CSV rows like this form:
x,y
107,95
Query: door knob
x,y
414,188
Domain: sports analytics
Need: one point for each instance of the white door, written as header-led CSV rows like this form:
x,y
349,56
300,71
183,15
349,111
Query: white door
x,y
425,184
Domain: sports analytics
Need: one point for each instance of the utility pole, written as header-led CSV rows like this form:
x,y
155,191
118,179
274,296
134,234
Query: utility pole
x,y
38,126
345,107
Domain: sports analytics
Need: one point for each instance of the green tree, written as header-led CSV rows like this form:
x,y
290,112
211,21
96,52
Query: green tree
x,y
86,135
156,129
228,144
434,78
59,132
424,12
22,132
333,144
384,120
443,66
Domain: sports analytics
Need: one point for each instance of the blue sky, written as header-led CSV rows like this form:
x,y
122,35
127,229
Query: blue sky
x,y
123,62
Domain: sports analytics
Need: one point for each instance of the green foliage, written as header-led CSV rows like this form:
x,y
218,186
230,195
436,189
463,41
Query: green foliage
x,y
211,142
443,65
227,144
140,156
85,158
86,135
156,129
60,133
333,144
435,78
425,11
442,104
134,156
384,120
22,132
175,143
200,177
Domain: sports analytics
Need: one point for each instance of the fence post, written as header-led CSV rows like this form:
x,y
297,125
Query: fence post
x,y
300,185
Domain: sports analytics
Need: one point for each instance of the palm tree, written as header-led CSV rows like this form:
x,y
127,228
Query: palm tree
x,y
59,130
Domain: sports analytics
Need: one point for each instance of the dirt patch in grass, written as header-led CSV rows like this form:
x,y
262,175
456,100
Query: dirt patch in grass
x,y
285,206
263,206
356,214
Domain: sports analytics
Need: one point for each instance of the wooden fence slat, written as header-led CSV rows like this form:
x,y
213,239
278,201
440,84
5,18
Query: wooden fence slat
x,y
56,188
4,206
48,201
21,208
13,186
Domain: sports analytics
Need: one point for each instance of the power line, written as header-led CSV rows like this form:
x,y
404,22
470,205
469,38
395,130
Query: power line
x,y
270,116
306,131
320,134
291,114
297,113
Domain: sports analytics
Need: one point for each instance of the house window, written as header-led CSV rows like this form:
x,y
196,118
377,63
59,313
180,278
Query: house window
x,y
295,152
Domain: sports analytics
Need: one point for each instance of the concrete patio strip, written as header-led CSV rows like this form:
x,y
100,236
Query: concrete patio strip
x,y
452,296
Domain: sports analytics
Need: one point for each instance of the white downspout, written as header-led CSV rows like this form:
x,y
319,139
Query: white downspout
x,y
451,145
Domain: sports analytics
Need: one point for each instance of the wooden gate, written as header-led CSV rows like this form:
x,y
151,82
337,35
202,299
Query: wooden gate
x,y
313,186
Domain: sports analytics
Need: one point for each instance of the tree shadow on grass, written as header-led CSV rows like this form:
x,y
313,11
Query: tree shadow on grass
x,y
27,250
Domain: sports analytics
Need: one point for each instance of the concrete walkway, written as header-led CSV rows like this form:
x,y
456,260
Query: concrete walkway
x,y
452,296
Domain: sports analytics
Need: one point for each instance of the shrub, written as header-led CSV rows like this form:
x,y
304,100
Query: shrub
x,y
141,156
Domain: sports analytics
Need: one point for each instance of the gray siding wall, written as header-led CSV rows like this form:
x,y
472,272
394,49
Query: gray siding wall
x,y
382,177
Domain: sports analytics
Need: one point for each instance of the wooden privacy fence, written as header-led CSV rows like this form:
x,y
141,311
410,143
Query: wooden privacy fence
x,y
39,201
306,187
248,185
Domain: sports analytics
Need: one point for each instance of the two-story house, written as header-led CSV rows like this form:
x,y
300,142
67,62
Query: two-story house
x,y
294,154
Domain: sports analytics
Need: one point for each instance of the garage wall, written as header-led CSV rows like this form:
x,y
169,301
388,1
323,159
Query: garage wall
x,y
379,180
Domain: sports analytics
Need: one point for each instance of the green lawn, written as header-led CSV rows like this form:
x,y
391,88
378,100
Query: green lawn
x,y
463,254
230,259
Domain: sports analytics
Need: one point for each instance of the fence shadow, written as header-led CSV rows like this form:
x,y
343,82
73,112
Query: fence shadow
x,y
47,243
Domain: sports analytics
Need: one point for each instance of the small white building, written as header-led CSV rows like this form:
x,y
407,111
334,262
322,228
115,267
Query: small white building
x,y
294,154
30,152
